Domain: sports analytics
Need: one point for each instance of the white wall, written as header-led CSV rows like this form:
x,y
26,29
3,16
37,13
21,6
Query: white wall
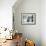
x,y
39,7
43,22
30,31
6,13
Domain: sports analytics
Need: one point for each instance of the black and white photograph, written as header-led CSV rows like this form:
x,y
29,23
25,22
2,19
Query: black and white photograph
x,y
28,18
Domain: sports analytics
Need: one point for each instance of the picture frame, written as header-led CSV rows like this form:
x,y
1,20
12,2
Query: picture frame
x,y
28,18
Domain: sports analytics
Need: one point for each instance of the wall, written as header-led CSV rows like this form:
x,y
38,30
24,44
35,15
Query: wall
x,y
6,13
29,31
43,22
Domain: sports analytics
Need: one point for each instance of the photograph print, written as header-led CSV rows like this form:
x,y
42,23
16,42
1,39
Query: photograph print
x,y
28,18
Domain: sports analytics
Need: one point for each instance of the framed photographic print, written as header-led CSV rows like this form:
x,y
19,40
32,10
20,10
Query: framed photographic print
x,y
28,18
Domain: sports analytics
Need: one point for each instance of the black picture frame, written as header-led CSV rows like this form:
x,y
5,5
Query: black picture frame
x,y
28,18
